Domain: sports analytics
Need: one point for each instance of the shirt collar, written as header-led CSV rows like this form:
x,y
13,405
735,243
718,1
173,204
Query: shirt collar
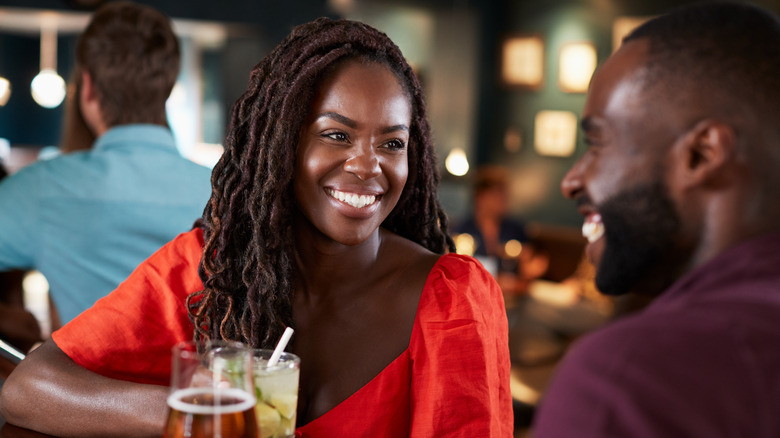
x,y
135,134
755,259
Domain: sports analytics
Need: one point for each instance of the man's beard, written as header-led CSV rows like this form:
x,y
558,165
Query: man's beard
x,y
640,225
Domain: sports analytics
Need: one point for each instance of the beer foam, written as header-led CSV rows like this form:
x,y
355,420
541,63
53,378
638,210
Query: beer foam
x,y
244,400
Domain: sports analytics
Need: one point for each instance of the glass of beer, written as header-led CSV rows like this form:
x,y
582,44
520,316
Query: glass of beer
x,y
212,393
276,388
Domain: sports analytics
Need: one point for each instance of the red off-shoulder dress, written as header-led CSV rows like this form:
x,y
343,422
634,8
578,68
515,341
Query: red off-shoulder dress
x,y
452,380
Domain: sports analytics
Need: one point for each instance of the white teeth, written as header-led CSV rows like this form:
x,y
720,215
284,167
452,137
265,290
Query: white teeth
x,y
353,199
593,228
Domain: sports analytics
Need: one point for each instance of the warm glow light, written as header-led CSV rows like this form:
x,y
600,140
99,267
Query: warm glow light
x,y
36,299
512,140
523,61
456,162
577,63
5,91
521,390
555,133
464,244
48,89
513,248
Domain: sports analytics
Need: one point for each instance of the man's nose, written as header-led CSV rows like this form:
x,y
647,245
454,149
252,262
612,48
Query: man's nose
x,y
571,184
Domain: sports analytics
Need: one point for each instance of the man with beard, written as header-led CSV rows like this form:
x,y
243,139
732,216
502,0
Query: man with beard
x,y
680,191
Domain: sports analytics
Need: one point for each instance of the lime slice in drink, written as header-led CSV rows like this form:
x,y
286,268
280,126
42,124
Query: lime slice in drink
x,y
286,427
285,404
268,419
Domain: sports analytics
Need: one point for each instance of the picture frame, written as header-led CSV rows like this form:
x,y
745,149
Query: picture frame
x,y
522,61
577,61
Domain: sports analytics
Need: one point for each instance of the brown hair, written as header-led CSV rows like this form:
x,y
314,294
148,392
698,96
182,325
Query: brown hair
x,y
248,260
132,56
76,135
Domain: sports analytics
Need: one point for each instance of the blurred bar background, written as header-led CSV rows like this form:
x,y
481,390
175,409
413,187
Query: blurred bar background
x,y
486,94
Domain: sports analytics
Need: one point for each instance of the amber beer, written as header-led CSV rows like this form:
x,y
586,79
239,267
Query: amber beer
x,y
211,413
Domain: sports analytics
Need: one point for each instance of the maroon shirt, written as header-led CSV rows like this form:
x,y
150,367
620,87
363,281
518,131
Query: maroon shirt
x,y
703,360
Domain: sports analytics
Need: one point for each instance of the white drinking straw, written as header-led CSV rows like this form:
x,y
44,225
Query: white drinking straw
x,y
280,346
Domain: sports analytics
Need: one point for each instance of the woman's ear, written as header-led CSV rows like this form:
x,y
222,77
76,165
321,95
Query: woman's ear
x,y
703,153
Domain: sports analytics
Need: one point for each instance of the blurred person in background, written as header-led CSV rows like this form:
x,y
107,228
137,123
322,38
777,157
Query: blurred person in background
x,y
500,241
86,219
679,189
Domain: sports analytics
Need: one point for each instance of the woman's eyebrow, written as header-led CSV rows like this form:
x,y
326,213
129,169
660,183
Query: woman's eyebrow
x,y
339,118
353,124
395,128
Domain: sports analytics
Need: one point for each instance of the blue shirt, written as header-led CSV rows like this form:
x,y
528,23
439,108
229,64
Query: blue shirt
x,y
87,219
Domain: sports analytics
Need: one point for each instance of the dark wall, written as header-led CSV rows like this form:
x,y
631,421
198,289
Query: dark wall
x,y
536,178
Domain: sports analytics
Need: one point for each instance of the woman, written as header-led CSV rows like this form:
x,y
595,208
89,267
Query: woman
x,y
323,217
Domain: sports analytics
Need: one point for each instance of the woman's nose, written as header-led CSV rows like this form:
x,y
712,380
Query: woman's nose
x,y
364,163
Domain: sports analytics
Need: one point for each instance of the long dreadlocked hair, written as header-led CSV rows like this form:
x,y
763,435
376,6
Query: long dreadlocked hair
x,y
247,266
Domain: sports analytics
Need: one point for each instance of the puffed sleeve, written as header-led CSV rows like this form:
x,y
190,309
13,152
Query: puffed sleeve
x,y
460,355
143,318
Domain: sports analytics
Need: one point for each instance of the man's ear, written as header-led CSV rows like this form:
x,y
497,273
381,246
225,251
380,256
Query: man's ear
x,y
703,153
87,91
90,105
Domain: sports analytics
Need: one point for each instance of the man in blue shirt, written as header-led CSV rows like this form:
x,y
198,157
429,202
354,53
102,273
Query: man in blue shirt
x,y
87,219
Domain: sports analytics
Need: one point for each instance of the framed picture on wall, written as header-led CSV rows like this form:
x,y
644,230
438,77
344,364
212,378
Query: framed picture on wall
x,y
576,64
555,133
522,61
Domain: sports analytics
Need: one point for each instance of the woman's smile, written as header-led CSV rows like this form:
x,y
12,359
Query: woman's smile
x,y
353,199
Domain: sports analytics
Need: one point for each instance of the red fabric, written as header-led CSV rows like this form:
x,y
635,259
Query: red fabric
x,y
452,381
129,334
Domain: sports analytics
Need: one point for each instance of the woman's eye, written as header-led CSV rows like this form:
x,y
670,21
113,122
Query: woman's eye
x,y
395,145
336,135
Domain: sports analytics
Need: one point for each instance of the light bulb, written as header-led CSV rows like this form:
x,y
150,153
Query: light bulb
x,y
48,89
5,91
456,162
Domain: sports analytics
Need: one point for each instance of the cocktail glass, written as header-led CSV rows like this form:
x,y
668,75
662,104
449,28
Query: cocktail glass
x,y
276,390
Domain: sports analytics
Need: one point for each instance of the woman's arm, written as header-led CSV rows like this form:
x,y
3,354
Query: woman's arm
x,y
50,393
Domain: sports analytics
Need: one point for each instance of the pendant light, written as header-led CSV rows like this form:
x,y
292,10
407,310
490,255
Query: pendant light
x,y
5,91
48,88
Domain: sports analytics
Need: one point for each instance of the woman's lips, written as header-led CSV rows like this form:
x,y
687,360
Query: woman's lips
x,y
352,199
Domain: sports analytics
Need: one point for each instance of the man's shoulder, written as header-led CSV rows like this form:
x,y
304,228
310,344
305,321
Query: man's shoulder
x,y
39,172
670,341
647,330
